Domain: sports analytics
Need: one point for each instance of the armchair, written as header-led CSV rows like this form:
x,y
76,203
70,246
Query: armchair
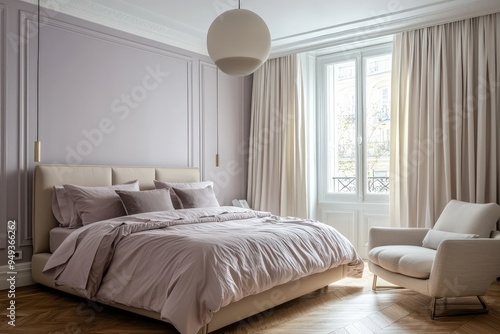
x,y
456,258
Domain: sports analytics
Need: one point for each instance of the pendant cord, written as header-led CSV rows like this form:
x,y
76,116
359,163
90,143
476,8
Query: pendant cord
x,y
38,77
217,110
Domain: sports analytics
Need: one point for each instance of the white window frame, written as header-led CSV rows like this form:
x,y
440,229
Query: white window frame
x,y
323,61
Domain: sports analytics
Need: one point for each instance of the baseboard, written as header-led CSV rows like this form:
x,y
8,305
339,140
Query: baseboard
x,y
23,275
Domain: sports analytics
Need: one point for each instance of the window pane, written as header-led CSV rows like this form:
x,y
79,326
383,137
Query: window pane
x,y
341,104
378,117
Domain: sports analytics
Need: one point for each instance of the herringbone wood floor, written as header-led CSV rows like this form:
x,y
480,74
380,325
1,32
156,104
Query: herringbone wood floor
x,y
347,306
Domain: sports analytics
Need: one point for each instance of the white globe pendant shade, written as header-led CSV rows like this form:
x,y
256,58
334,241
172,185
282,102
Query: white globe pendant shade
x,y
238,42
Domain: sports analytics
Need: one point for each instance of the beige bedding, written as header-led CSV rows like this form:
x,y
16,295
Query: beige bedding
x,y
187,264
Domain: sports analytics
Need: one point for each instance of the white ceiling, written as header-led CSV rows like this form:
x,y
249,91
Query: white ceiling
x,y
295,25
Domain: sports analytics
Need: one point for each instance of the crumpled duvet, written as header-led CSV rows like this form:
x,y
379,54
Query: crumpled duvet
x,y
187,264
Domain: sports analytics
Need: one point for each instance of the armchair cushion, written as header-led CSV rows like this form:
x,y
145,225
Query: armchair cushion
x,y
434,237
413,261
470,218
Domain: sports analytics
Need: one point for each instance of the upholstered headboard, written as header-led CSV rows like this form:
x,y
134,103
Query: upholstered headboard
x,y
47,176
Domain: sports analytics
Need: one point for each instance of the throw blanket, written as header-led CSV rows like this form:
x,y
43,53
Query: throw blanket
x,y
187,264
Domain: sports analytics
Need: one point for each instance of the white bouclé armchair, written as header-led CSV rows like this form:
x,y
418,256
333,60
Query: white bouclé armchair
x,y
456,258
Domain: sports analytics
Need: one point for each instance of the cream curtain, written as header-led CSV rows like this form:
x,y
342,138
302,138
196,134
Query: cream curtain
x,y
445,137
277,149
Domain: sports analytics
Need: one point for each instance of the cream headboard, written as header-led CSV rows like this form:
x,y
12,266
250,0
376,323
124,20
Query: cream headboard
x,y
47,176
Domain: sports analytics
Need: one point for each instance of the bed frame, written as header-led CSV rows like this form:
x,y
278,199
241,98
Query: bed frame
x,y
47,176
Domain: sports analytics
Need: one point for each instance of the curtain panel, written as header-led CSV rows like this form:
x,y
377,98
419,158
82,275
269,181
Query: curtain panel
x,y
445,119
277,176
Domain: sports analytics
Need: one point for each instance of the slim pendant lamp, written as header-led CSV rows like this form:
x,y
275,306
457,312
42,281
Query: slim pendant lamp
x,y
238,41
217,116
38,144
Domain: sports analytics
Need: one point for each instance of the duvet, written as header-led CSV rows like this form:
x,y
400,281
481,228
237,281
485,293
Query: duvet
x,y
187,264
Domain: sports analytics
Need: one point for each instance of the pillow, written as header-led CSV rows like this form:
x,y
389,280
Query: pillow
x,y
63,208
471,218
181,185
98,203
434,237
145,201
197,198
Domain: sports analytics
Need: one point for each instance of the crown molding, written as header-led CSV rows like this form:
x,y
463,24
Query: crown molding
x,y
90,11
378,25
382,26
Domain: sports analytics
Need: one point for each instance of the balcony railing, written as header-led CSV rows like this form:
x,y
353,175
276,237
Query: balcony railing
x,y
347,184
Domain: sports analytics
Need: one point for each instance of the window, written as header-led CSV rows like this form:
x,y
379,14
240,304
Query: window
x,y
354,124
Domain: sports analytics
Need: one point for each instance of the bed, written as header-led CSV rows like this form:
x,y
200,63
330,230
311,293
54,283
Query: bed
x,y
43,222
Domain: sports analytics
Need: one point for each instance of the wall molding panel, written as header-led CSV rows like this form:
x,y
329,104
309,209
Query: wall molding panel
x,y
342,220
3,128
114,39
225,125
190,118
187,61
24,200
154,100
354,220
367,221
205,107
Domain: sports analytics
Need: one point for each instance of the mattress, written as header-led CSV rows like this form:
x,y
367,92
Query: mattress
x,y
57,236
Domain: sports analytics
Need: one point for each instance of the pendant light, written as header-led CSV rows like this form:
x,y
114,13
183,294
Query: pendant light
x,y
217,116
238,41
38,144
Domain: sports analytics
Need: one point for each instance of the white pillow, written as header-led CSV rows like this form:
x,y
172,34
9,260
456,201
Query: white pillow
x,y
98,203
181,185
471,218
434,237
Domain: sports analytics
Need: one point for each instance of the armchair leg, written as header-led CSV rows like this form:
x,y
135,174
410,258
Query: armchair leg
x,y
483,304
459,312
433,308
374,284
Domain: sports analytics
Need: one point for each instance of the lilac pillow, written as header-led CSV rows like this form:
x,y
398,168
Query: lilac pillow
x,y
181,185
63,208
98,203
145,201
197,198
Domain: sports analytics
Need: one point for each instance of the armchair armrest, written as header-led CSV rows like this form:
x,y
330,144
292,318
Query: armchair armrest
x,y
385,236
464,267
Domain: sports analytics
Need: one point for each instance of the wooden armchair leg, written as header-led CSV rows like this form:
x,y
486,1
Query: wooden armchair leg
x,y
374,284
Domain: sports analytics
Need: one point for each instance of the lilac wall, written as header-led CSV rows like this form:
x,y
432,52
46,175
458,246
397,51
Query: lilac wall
x,y
108,97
